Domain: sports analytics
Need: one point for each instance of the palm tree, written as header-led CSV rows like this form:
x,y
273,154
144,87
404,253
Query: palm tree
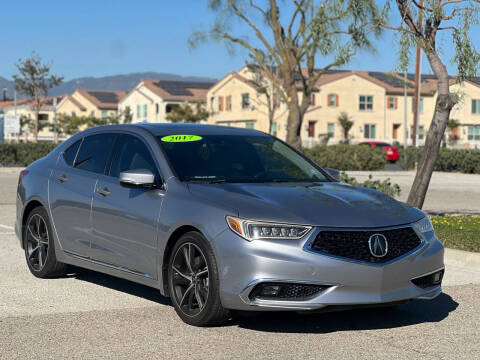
x,y
346,123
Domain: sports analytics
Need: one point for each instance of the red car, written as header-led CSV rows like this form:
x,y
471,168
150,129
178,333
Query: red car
x,y
390,151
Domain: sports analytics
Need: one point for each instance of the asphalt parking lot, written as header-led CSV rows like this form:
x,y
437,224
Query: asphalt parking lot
x,y
95,316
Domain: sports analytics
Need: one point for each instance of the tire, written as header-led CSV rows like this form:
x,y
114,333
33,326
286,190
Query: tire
x,y
195,288
39,246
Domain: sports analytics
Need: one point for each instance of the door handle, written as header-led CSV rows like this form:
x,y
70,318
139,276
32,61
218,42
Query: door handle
x,y
103,191
62,178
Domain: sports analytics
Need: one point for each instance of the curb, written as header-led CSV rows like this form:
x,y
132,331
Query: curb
x,y
464,259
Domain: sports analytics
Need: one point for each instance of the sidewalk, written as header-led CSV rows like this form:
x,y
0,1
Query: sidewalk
x,y
447,193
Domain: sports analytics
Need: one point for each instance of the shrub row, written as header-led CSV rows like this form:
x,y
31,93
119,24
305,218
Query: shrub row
x,y
348,157
449,160
22,154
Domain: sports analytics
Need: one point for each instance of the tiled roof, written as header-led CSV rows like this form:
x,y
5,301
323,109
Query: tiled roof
x,y
103,99
179,90
47,103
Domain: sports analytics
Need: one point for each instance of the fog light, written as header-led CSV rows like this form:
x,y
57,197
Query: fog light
x,y
270,290
428,281
437,277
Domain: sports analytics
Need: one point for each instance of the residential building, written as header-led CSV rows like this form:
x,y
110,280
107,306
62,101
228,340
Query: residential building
x,y
375,101
24,108
91,103
152,100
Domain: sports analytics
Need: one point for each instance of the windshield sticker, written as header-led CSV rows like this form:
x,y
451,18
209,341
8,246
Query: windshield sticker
x,y
181,138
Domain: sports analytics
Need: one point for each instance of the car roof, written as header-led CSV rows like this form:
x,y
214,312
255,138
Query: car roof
x,y
196,129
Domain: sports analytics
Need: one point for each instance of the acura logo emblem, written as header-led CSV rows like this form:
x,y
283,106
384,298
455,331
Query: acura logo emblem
x,y
378,245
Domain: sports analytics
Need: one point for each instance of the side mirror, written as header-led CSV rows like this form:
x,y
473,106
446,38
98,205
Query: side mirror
x,y
333,173
141,178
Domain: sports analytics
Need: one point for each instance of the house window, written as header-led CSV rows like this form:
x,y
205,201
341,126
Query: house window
x,y
250,125
104,115
274,129
212,100
138,112
157,108
365,103
73,113
421,133
331,130
312,101
392,102
229,103
245,101
332,100
473,133
420,105
220,103
145,110
311,129
475,106
369,131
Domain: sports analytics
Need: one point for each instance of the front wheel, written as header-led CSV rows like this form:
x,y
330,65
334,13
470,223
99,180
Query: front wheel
x,y
194,283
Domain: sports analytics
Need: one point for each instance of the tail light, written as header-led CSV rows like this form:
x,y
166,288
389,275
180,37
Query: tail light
x,y
23,173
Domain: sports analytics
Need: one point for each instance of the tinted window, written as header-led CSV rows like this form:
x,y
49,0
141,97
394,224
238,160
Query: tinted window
x,y
71,152
233,158
132,154
94,152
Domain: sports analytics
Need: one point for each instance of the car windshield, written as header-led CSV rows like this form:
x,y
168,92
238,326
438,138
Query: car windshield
x,y
232,158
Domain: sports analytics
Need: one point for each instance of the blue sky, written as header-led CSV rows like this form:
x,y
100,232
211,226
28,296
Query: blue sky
x,y
107,37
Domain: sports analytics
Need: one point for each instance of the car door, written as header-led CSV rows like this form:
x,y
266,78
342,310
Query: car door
x,y
125,219
71,190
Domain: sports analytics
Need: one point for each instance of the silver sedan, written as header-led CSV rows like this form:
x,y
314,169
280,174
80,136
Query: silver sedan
x,y
221,219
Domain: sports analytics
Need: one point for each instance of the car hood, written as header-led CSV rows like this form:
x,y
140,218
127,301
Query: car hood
x,y
323,204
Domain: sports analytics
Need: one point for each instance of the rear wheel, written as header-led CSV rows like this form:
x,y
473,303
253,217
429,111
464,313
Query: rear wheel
x,y
193,282
39,246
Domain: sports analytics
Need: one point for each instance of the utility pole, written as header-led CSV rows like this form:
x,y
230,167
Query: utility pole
x,y
418,61
55,120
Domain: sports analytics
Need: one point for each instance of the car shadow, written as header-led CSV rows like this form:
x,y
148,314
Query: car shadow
x,y
118,284
414,312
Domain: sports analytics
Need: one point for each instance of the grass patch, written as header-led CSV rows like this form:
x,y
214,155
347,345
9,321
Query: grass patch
x,y
458,231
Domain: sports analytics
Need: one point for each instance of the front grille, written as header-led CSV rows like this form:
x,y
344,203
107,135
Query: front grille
x,y
354,244
287,291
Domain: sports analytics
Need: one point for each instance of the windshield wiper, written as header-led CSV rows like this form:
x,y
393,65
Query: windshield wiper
x,y
206,181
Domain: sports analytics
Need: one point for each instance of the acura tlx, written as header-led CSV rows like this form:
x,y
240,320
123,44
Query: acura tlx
x,y
221,219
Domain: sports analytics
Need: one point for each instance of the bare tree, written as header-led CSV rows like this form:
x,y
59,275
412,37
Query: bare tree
x,y
296,35
34,82
420,25
268,98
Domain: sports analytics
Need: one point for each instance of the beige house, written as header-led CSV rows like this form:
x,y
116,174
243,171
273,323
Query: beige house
x,y
91,103
25,109
152,100
374,100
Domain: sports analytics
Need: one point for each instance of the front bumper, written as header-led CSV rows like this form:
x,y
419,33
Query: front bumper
x,y
243,264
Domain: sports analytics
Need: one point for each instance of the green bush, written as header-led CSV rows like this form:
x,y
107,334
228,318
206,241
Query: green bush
x,y
348,157
22,154
449,160
384,186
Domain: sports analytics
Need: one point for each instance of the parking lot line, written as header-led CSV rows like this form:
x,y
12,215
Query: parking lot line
x,y
6,227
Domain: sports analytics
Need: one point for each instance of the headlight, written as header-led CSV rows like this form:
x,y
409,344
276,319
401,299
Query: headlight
x,y
424,225
254,230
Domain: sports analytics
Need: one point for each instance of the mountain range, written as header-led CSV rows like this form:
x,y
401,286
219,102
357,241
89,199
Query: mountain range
x,y
116,82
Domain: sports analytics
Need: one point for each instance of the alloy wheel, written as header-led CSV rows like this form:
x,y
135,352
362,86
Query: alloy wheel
x,y
190,279
37,242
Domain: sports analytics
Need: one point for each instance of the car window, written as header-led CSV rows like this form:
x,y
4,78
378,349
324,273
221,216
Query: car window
x,y
94,152
71,152
132,154
232,158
